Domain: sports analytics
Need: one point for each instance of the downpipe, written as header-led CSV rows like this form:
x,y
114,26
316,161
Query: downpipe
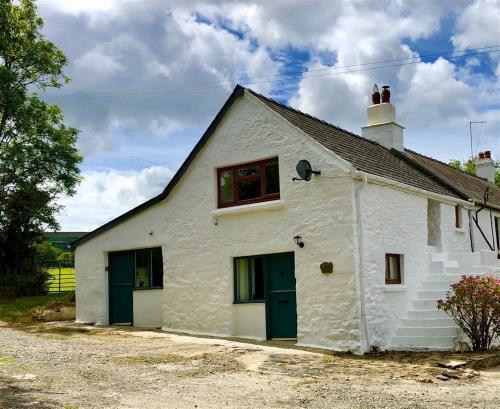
x,y
365,339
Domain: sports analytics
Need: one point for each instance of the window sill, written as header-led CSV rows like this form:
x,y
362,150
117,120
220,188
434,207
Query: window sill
x,y
253,207
459,229
248,302
390,288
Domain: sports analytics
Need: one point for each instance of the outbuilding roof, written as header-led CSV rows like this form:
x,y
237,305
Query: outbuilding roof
x,y
406,167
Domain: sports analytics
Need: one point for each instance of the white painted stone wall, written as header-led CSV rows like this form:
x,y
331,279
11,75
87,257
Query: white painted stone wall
x,y
395,222
486,220
148,308
250,320
198,247
453,239
199,242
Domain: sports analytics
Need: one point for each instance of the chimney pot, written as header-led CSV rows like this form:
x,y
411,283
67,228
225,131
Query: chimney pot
x,y
386,94
375,95
485,166
382,126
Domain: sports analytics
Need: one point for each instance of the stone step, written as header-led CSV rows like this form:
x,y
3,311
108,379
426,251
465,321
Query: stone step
x,y
450,331
465,258
470,270
425,304
435,285
426,314
423,342
437,267
438,257
431,294
428,322
490,258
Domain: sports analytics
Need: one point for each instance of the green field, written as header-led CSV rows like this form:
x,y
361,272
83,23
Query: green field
x,y
67,279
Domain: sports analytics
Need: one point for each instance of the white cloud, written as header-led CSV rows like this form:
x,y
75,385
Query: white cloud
x,y
478,25
436,95
142,63
160,53
106,194
95,62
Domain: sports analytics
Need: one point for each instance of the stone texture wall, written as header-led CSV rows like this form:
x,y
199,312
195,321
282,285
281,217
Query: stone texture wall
x,y
396,222
199,244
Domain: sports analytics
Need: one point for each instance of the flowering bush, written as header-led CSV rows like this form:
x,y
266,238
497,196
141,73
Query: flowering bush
x,y
474,304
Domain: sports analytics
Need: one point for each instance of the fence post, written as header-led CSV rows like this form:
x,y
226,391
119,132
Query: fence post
x,y
60,275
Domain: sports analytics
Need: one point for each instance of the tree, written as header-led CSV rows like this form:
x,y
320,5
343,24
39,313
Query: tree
x,y
38,157
46,251
469,167
474,304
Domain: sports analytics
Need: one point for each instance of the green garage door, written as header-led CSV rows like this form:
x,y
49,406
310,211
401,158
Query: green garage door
x,y
121,285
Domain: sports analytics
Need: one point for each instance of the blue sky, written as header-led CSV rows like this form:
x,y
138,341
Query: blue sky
x,y
148,77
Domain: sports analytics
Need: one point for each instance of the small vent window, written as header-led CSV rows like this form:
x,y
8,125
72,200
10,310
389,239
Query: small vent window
x,y
393,268
458,217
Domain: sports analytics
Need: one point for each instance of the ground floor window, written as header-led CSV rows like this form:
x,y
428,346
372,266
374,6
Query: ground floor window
x,y
393,268
249,279
148,268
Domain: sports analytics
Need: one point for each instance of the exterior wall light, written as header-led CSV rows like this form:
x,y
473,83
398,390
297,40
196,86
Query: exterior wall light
x,y
298,241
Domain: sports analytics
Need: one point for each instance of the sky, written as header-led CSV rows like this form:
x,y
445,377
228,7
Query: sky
x,y
149,76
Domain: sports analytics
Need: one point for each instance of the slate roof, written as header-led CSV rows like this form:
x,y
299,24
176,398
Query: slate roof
x,y
469,185
406,167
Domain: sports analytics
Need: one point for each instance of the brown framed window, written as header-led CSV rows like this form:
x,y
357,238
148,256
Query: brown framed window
x,y
248,183
458,216
393,268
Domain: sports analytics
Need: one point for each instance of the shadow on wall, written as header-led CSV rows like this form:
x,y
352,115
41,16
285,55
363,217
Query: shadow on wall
x,y
19,397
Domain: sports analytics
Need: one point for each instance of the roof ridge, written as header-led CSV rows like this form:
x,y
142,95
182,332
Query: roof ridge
x,y
313,117
446,164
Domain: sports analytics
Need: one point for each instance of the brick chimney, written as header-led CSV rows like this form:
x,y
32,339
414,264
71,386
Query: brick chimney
x,y
382,126
485,167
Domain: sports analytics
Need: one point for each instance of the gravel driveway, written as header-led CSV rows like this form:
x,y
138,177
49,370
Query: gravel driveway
x,y
73,367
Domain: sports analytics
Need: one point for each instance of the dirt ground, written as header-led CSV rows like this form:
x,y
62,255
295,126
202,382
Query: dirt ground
x,y
69,366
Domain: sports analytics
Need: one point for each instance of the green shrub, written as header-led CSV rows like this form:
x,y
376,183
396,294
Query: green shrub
x,y
474,304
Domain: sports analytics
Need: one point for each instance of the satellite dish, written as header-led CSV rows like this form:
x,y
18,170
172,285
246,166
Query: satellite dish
x,y
304,169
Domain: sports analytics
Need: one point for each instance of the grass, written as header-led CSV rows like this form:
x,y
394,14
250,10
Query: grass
x,y
12,309
67,279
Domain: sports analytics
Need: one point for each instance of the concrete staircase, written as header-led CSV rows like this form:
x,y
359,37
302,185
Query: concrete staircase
x,y
426,328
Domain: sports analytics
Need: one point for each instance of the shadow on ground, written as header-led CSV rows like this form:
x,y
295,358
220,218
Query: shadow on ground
x,y
13,396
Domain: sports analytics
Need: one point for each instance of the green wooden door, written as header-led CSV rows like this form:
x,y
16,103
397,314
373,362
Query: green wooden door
x,y
121,286
282,301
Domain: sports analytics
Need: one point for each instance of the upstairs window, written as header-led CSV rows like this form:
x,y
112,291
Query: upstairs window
x,y
248,183
393,268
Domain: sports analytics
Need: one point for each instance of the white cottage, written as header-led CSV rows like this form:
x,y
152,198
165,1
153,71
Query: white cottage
x,y
237,246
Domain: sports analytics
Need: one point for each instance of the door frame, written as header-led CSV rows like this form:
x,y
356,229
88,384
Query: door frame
x,y
110,268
